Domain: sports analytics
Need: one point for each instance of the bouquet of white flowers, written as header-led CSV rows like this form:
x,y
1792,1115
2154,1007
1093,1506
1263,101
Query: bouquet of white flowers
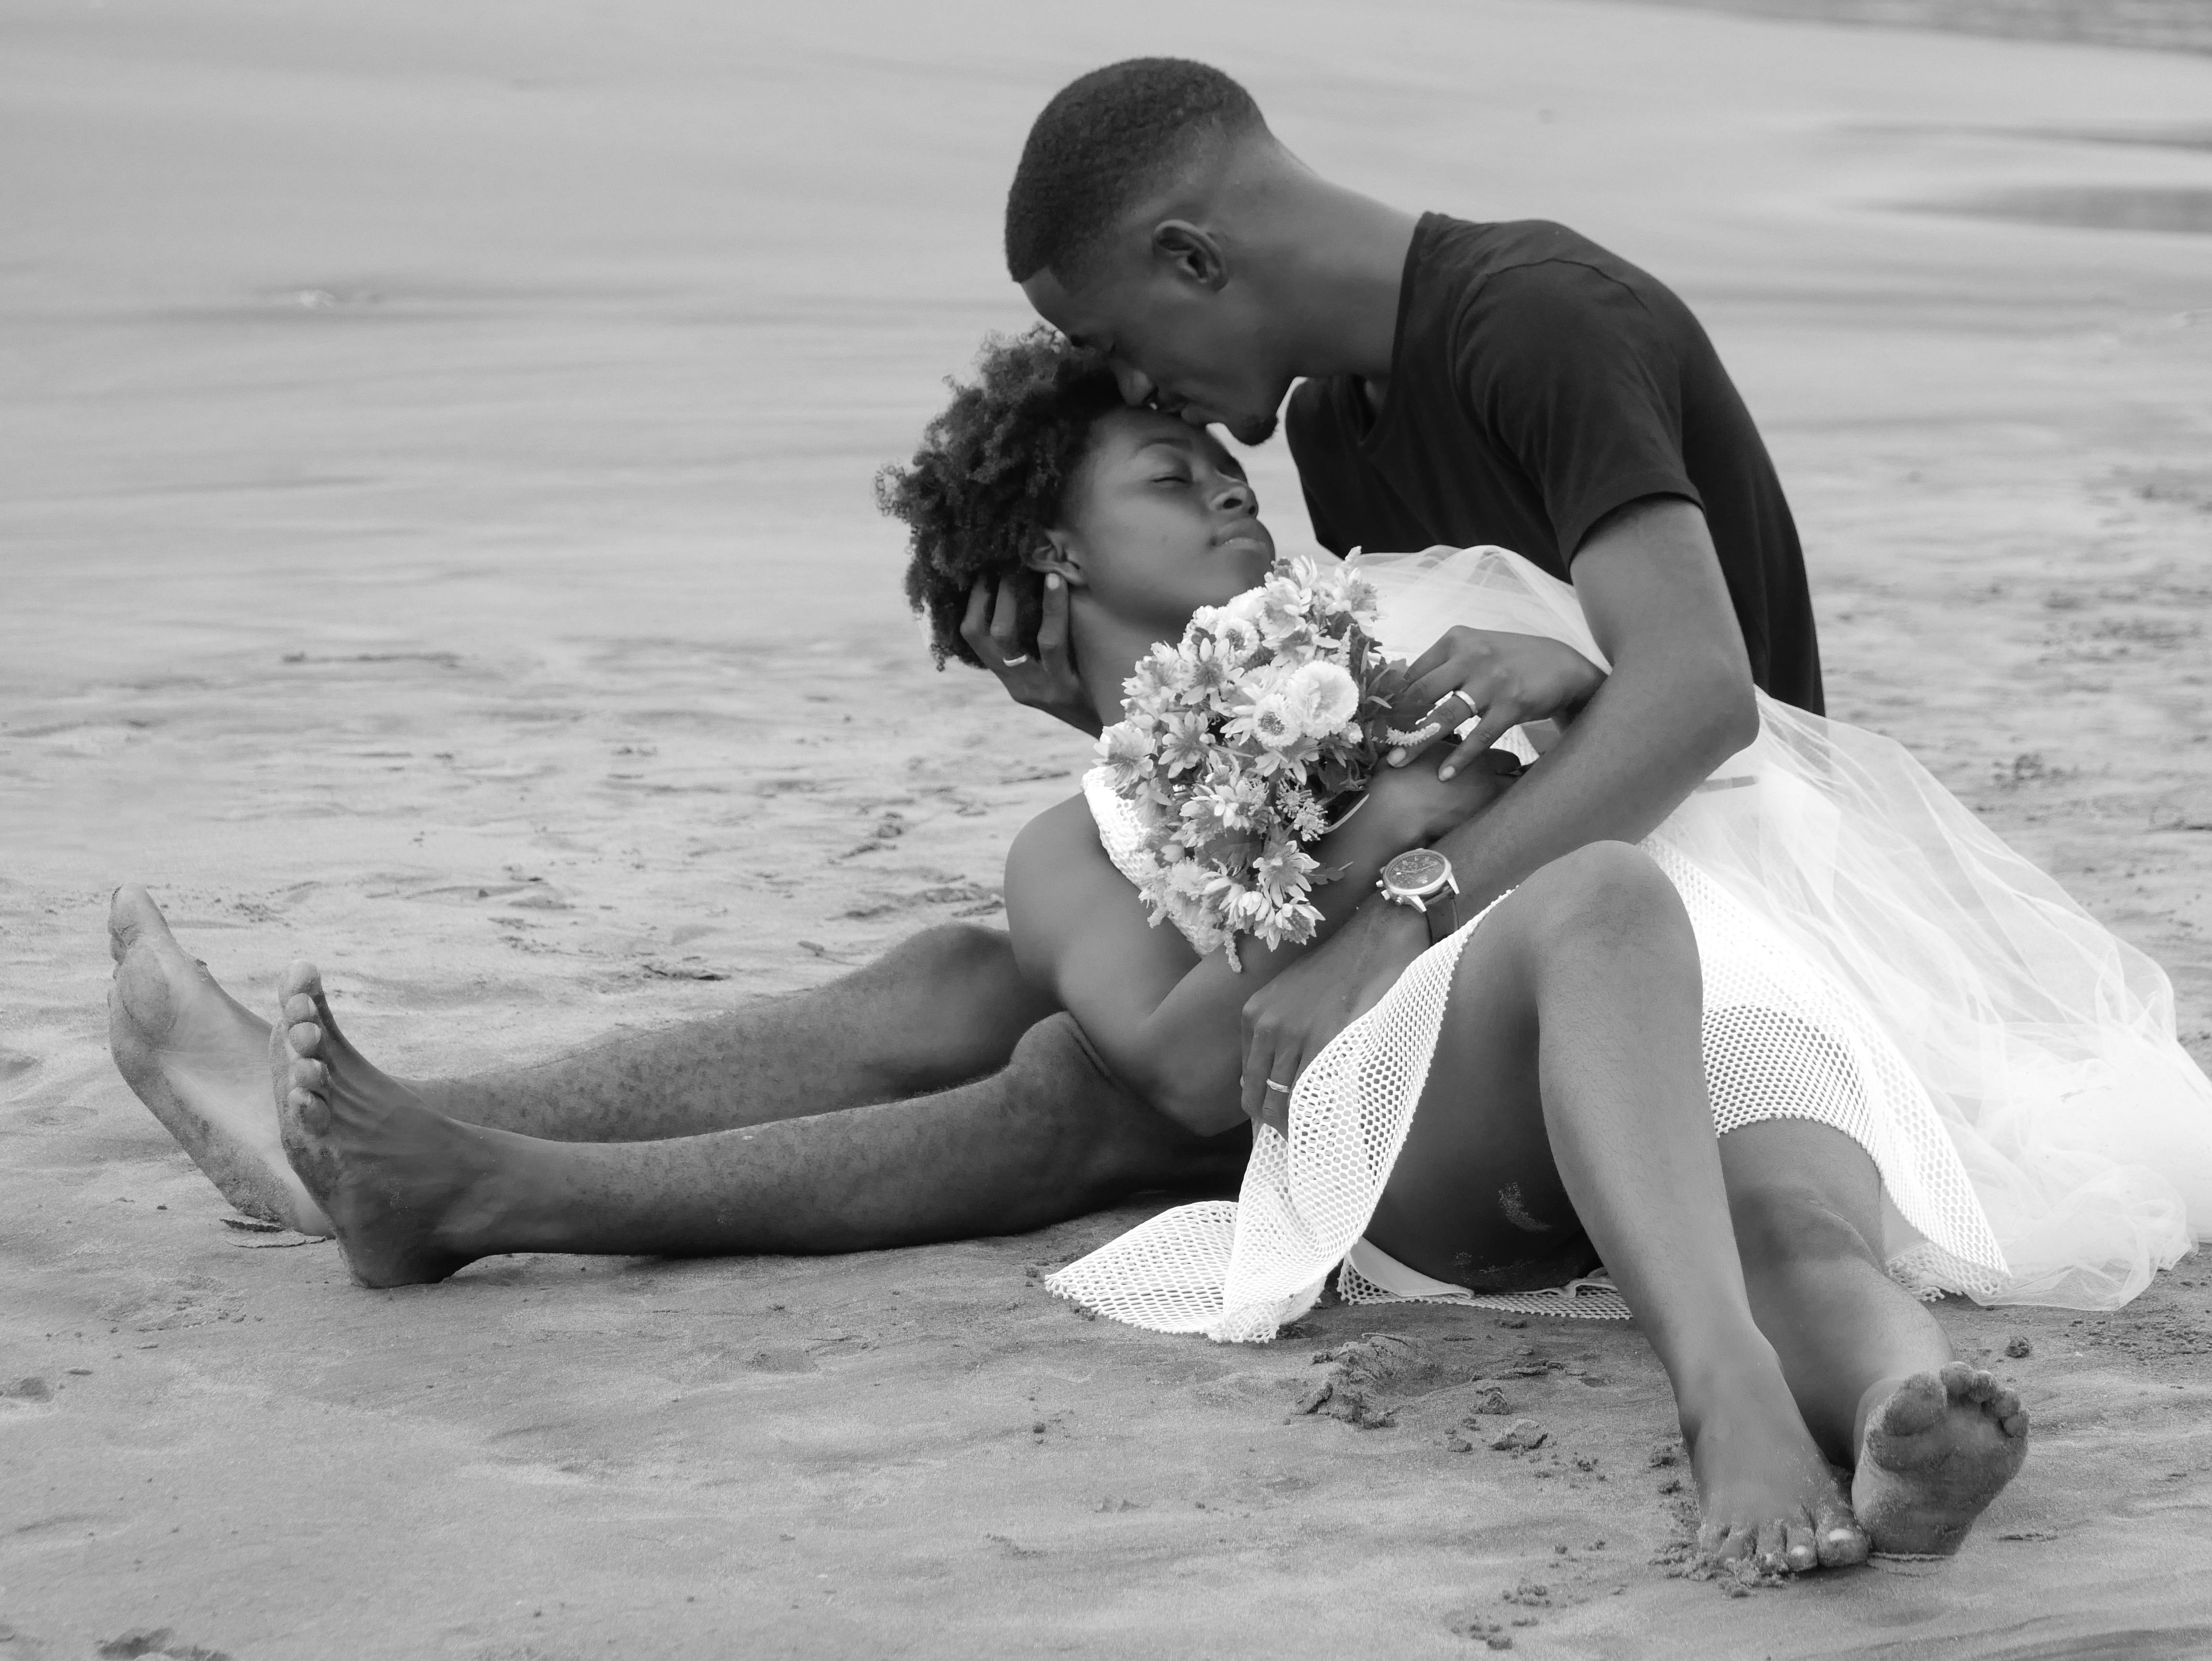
x,y
1237,745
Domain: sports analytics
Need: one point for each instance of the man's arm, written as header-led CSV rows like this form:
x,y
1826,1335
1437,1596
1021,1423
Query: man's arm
x,y
1164,1021
1678,703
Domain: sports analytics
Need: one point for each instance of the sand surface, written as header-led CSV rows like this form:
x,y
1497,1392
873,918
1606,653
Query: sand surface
x,y
437,536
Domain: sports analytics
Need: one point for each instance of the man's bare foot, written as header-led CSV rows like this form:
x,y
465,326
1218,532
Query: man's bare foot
x,y
1769,1499
199,1059
403,1185
1937,1449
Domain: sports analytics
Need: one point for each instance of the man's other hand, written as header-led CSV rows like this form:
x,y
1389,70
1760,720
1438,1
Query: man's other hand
x,y
1498,680
1039,674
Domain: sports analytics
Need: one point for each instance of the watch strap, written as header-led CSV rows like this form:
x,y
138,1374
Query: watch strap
x,y
1442,914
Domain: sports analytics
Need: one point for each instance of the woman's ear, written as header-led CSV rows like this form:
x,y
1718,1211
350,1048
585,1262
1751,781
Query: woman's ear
x,y
1055,554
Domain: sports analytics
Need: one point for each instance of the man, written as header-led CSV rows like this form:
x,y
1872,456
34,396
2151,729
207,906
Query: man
x,y
1463,384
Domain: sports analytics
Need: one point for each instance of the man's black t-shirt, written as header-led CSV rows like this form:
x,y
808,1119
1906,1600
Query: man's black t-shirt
x,y
1537,383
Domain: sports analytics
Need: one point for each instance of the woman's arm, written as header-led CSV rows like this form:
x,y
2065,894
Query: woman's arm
x,y
1167,1022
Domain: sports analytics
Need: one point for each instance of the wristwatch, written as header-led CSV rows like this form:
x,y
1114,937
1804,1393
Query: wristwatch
x,y
1422,877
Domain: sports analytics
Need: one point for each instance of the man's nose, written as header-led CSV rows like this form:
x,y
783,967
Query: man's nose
x,y
1137,389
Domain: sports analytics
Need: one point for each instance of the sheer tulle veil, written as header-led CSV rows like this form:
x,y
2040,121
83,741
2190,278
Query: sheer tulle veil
x,y
2044,1043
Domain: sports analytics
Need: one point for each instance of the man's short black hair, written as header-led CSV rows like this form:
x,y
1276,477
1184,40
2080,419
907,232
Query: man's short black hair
x,y
1102,145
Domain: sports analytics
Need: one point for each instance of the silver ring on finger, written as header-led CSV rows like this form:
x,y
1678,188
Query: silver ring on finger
x,y
1014,662
1276,1084
1473,710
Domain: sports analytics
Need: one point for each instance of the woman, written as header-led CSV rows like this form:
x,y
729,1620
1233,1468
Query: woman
x,y
1562,1118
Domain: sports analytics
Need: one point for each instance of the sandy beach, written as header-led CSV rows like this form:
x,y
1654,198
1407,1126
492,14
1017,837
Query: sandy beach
x,y
438,539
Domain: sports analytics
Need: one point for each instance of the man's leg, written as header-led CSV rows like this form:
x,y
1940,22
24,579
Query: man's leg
x,y
1567,1094
939,1009
415,1194
1933,1440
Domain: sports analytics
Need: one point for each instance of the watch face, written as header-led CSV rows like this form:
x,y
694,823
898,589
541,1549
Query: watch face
x,y
1420,871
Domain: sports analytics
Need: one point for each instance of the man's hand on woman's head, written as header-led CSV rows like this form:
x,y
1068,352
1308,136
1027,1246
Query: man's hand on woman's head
x,y
1498,681
1038,673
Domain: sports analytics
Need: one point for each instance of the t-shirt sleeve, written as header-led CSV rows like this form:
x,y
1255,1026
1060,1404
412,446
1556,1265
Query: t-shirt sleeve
x,y
1579,384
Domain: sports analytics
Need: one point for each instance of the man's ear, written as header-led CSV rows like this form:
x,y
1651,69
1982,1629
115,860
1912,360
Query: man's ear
x,y
1195,254
1057,554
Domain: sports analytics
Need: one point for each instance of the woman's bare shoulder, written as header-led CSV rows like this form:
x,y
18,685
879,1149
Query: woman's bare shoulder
x,y
1059,842
1054,884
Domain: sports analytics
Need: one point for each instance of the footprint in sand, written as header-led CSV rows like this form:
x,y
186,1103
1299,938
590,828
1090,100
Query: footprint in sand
x,y
156,1642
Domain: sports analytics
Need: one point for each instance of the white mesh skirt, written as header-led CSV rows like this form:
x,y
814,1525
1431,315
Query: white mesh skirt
x,y
1875,959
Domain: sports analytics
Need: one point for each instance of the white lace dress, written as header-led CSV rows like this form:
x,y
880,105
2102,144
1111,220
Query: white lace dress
x,y
1875,959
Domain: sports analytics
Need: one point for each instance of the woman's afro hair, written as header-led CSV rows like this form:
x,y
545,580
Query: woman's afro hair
x,y
987,480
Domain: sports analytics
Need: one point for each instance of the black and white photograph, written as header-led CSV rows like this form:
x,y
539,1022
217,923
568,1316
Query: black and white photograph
x,y
1159,830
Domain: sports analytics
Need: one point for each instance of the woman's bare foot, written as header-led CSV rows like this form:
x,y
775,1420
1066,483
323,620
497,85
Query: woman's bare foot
x,y
406,1187
199,1059
1937,1448
1769,1498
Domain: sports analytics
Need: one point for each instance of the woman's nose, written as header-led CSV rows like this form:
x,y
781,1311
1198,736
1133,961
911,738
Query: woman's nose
x,y
1235,496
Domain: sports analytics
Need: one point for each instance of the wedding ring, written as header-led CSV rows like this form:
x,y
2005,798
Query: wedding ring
x,y
1285,1088
1014,663
1460,692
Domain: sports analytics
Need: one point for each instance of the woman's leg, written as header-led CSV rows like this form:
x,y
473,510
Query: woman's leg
x,y
415,1194
1933,1440
1569,1085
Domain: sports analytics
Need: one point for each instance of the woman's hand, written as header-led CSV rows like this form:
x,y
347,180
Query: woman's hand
x,y
1040,673
1498,680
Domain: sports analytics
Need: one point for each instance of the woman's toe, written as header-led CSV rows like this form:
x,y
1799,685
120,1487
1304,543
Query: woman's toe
x,y
1837,1538
1774,1544
1798,1549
